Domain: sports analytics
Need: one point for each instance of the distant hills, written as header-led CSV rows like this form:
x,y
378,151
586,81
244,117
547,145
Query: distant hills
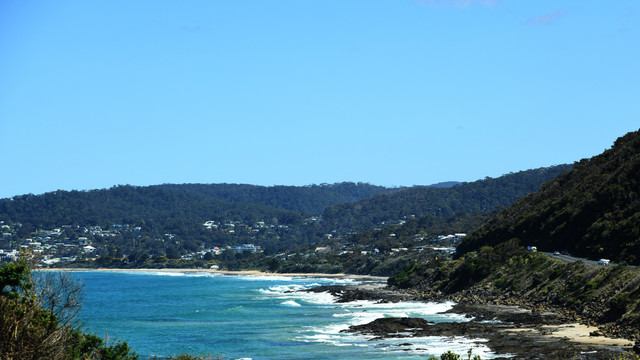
x,y
181,209
592,211
312,199
483,195
199,202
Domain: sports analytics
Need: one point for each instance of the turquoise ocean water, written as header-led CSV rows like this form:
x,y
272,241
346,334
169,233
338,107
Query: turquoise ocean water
x,y
249,317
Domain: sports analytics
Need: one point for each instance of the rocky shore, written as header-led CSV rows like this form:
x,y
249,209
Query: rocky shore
x,y
515,331
374,292
589,315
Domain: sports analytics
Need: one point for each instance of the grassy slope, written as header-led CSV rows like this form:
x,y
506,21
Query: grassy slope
x,y
507,274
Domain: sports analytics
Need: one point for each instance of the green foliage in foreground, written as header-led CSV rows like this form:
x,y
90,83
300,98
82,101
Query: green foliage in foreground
x,y
84,346
453,356
37,319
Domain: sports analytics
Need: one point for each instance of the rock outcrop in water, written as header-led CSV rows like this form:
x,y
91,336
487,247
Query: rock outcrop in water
x,y
513,332
349,293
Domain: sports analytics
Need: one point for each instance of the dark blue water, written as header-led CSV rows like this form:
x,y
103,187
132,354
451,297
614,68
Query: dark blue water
x,y
167,313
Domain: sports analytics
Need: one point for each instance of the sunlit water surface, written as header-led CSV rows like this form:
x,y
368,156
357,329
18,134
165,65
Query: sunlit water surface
x,y
250,317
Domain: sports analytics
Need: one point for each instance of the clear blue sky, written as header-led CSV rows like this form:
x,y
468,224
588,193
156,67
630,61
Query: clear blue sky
x,y
270,92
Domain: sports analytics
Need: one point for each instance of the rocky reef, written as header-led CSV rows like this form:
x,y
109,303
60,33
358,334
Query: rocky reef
x,y
516,331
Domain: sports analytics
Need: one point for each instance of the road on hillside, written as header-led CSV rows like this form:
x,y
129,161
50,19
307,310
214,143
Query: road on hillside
x,y
569,258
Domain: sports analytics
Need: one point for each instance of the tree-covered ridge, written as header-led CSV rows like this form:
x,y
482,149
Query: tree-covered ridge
x,y
591,211
181,209
132,224
312,199
482,195
178,210
136,204
131,205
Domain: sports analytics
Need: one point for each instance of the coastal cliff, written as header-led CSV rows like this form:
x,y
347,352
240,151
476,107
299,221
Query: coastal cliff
x,y
591,211
506,274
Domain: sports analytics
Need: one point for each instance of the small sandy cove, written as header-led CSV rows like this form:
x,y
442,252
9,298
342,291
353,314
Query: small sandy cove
x,y
578,333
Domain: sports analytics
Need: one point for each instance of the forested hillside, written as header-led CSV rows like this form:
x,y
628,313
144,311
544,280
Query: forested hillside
x,y
591,211
312,199
482,195
131,205
199,202
176,221
179,211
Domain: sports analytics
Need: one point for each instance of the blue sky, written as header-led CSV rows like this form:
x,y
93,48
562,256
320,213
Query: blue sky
x,y
270,92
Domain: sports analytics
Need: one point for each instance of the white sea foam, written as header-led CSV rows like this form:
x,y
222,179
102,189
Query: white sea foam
x,y
362,312
290,303
294,292
281,290
436,345
339,281
432,345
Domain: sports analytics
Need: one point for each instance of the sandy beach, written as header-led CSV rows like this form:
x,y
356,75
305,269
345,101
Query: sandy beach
x,y
576,333
232,273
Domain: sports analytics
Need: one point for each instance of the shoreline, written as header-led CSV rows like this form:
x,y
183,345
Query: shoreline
x,y
228,273
576,333
508,329
535,335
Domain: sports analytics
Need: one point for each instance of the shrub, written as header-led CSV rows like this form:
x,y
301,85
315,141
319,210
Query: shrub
x,y
620,302
38,318
406,278
449,356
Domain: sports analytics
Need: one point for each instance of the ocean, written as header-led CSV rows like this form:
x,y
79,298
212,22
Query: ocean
x,y
250,317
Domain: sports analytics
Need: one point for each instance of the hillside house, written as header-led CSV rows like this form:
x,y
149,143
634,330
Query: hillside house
x,y
245,248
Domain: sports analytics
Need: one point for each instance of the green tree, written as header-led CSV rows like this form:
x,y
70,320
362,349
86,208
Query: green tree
x,y
38,318
32,311
450,356
14,279
172,252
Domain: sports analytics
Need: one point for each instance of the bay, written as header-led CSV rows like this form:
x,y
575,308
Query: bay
x,y
249,317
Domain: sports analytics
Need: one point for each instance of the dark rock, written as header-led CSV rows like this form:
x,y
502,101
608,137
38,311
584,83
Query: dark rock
x,y
497,317
351,293
508,314
387,327
499,337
